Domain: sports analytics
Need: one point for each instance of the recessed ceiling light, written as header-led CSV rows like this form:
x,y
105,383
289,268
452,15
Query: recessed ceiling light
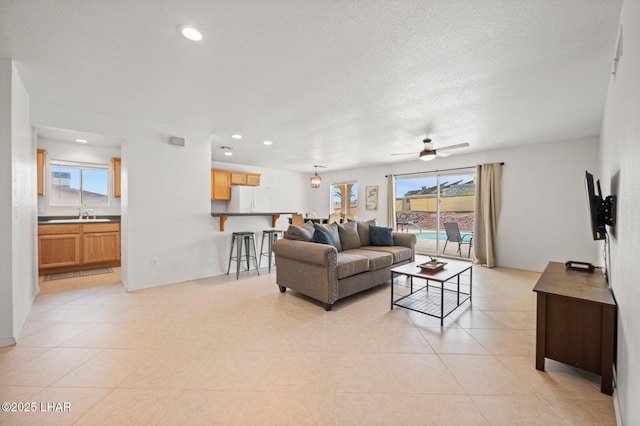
x,y
81,140
191,33
267,143
228,154
236,136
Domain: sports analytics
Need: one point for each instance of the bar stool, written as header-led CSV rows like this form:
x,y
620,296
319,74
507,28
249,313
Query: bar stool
x,y
237,238
272,235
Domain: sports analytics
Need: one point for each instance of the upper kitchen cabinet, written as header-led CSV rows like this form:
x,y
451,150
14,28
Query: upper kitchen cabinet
x,y
221,181
238,178
42,166
115,169
253,179
220,185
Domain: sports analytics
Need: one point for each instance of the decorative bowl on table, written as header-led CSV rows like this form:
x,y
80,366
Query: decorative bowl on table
x,y
432,266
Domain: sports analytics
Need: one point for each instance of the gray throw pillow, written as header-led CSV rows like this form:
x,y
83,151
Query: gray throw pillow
x,y
363,230
349,237
332,230
300,233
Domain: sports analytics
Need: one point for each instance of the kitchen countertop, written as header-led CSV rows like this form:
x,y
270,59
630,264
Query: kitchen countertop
x,y
224,216
45,220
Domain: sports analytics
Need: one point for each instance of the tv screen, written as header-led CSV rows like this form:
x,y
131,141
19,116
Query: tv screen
x,y
594,201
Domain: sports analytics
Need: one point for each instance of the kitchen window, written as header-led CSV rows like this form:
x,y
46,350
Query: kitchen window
x,y
79,184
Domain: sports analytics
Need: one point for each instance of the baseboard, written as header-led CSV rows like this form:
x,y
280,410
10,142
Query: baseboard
x,y
616,403
616,409
9,341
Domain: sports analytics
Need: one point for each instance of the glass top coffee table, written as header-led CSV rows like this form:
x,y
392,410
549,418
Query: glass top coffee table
x,y
441,293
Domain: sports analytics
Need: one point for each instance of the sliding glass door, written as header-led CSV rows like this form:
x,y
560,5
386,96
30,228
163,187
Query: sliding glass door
x,y
439,209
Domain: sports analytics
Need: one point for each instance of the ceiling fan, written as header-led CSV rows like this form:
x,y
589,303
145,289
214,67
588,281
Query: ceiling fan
x,y
430,152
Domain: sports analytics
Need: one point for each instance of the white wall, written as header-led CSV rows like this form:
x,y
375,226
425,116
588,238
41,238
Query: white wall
x,y
619,156
544,212
6,209
24,240
83,153
18,278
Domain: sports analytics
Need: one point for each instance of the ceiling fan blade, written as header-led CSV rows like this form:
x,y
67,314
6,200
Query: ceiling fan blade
x,y
456,146
404,153
442,154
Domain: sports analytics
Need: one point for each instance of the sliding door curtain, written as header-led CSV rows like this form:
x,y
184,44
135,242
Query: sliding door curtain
x,y
488,188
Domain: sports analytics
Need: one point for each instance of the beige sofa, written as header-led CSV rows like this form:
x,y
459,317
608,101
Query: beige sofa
x,y
351,264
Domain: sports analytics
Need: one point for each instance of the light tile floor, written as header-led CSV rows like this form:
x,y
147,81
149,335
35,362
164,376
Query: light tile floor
x,y
226,351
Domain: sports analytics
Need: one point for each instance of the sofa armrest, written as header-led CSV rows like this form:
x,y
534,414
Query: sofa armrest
x,y
406,239
304,251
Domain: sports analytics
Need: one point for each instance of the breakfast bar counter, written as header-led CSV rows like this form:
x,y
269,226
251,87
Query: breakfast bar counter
x,y
224,216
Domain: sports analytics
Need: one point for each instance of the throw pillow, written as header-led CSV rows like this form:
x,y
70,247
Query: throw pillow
x,y
300,233
381,236
321,237
349,237
363,230
332,230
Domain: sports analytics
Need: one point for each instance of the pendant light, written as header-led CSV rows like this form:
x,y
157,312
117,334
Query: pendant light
x,y
315,179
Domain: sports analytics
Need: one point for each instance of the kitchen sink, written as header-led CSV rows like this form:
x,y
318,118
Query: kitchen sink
x,y
78,220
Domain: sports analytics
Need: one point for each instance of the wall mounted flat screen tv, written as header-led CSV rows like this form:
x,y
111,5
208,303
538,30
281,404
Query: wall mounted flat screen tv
x,y
601,211
594,201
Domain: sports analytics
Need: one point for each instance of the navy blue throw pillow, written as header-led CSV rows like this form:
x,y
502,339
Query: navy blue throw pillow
x,y
322,237
380,236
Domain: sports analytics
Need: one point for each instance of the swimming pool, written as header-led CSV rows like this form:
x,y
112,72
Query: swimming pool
x,y
431,235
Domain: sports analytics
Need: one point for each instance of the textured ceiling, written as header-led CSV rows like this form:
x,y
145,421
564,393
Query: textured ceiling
x,y
336,83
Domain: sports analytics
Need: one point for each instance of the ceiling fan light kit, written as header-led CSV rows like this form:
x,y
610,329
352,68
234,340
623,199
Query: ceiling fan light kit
x,y
427,155
430,152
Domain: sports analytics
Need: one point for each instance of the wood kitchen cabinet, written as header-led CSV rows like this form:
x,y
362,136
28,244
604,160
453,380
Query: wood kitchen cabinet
x,y
58,246
115,169
41,159
253,179
100,243
238,178
220,185
74,247
221,181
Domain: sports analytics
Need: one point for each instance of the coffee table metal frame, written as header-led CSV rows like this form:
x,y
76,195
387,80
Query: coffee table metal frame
x,y
433,300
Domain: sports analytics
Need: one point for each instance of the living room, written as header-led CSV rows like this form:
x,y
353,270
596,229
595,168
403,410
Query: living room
x,y
543,216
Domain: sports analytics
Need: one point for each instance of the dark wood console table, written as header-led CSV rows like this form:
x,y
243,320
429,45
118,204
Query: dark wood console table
x,y
576,321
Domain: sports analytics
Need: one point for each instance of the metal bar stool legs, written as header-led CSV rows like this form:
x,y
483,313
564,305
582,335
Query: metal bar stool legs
x,y
272,235
238,239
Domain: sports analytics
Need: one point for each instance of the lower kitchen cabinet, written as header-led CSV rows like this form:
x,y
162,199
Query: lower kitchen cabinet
x,y
100,243
58,246
64,248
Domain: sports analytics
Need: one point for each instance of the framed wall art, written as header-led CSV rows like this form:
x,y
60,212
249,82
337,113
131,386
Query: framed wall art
x,y
371,197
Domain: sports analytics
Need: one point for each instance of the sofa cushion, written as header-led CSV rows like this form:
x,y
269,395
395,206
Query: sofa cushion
x,y
377,259
332,230
349,237
351,264
399,253
363,231
300,233
321,237
381,236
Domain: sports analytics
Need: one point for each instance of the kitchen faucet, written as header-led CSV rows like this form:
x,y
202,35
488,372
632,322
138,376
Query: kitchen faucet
x,y
85,214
